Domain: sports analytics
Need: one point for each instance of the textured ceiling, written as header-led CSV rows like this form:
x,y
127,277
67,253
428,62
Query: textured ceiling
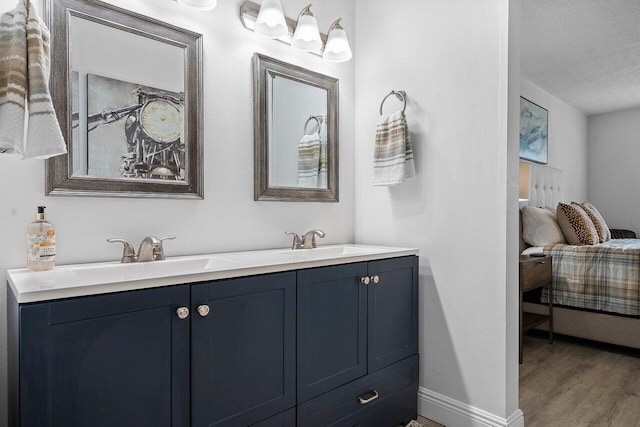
x,y
584,52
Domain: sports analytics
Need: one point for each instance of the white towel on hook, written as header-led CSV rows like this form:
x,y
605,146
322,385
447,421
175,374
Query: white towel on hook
x,y
393,156
25,101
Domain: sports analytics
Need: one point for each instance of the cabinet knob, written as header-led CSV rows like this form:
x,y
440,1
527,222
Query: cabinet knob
x,y
364,401
183,312
203,310
365,280
375,279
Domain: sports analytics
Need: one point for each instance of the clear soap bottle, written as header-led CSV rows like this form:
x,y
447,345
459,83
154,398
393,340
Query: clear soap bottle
x,y
41,243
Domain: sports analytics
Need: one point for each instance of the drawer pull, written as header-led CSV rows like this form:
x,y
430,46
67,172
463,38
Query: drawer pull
x,y
370,399
365,280
541,262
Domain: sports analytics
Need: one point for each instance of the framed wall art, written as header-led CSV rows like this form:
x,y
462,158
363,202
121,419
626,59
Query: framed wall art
x,y
534,132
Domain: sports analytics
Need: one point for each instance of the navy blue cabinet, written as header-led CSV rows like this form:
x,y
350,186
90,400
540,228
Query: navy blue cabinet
x,y
324,346
353,321
243,350
332,328
113,360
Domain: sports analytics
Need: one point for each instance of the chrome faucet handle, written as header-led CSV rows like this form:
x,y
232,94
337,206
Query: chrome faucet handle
x,y
297,241
128,253
309,238
158,251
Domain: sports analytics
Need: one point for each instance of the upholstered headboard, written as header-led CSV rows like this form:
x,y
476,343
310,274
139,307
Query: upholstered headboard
x,y
546,186
545,190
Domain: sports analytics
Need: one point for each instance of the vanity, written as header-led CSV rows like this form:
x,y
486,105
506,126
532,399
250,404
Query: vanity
x,y
317,337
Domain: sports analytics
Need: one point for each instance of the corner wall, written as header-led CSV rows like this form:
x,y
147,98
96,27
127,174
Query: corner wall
x,y
614,174
568,140
460,210
227,219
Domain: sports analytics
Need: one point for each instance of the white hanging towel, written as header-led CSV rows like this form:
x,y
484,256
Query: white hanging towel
x,y
309,161
393,156
25,101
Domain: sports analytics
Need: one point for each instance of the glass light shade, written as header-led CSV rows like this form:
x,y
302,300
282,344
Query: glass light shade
x,y
307,35
337,48
199,4
270,21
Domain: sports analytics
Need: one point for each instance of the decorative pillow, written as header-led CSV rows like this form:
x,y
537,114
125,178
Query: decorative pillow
x,y
598,221
540,227
576,225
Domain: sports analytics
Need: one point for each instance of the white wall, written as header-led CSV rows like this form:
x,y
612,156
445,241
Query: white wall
x,y
568,140
614,152
460,210
227,219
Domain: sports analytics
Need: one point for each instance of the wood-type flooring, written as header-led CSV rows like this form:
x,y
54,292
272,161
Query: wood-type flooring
x,y
578,383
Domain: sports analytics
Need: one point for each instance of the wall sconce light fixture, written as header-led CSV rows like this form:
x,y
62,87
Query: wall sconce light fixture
x,y
337,48
302,34
270,21
307,35
199,4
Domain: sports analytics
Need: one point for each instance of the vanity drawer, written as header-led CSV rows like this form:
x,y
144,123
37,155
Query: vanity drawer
x,y
395,388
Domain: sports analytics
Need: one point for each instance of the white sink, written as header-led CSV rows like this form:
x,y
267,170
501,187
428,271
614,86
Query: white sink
x,y
117,272
328,252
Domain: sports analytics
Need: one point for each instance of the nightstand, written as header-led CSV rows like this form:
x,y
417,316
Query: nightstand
x,y
535,273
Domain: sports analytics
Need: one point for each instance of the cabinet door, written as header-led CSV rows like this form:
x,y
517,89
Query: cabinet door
x,y
393,311
332,328
243,350
112,360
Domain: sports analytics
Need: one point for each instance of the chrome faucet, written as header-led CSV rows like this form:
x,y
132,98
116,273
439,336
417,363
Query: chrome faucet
x,y
309,238
150,249
307,241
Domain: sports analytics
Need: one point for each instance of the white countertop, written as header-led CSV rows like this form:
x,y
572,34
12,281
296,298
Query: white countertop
x,y
68,281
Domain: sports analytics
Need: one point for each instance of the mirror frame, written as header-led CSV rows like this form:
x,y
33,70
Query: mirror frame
x,y
59,180
263,67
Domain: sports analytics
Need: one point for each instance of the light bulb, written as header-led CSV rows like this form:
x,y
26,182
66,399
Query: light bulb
x,y
337,48
199,4
270,21
307,35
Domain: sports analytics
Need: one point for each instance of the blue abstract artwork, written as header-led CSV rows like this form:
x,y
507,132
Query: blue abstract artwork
x,y
534,127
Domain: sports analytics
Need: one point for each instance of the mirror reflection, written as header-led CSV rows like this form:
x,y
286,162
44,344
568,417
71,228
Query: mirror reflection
x,y
128,90
127,122
296,133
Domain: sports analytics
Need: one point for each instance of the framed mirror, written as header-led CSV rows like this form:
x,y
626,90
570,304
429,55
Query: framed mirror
x,y
128,93
295,133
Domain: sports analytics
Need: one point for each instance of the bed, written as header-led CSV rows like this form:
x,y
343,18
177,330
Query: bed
x,y
596,288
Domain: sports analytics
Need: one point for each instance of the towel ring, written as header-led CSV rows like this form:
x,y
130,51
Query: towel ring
x,y
400,94
307,122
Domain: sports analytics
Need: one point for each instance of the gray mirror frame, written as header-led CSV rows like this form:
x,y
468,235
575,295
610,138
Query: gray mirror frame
x,y
263,66
57,170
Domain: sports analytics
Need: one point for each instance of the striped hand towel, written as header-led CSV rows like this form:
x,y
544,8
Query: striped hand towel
x,y
309,161
322,171
393,156
24,74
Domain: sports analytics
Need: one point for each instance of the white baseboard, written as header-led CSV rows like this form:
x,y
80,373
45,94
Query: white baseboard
x,y
454,413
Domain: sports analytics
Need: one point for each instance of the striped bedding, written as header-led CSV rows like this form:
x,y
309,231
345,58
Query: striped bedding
x,y
603,277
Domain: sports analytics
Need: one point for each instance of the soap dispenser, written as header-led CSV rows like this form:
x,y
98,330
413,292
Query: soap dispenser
x,y
41,243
